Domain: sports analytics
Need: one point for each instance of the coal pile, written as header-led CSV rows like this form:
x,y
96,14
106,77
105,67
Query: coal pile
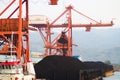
x,y
58,68
69,68
99,65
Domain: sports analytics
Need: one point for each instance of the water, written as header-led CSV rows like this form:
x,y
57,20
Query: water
x,y
116,76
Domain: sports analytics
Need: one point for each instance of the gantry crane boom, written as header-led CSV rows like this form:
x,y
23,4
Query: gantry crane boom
x,y
82,25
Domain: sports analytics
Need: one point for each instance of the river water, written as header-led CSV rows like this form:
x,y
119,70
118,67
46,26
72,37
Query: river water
x,y
116,76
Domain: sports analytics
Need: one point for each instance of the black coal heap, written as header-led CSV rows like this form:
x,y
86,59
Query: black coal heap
x,y
98,65
66,68
58,68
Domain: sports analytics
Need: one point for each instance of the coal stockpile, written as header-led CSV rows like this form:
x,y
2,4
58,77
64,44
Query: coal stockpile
x,y
59,68
69,68
99,65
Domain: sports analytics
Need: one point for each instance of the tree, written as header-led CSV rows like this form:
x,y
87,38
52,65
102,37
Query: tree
x,y
108,62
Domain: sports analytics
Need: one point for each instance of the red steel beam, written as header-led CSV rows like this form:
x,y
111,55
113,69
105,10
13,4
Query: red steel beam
x,y
19,50
85,16
7,7
15,10
28,40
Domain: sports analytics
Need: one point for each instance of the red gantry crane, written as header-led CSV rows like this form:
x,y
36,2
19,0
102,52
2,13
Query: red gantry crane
x,y
14,41
62,44
14,32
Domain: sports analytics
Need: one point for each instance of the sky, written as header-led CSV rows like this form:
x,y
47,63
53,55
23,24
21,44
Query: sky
x,y
105,10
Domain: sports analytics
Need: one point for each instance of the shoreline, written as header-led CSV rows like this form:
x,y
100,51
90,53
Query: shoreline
x,y
115,76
